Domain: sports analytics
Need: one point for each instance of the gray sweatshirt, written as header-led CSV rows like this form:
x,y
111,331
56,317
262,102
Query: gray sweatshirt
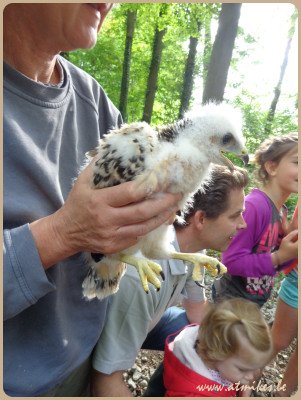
x,y
49,329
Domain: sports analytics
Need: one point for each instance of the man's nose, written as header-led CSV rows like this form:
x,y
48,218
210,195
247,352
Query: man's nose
x,y
242,223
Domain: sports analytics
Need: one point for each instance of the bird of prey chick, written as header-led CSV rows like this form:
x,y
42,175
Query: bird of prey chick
x,y
176,157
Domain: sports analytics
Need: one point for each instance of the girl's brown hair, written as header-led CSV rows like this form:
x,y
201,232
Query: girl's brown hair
x,y
273,149
225,323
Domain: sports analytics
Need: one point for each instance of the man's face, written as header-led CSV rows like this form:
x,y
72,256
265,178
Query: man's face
x,y
218,232
62,26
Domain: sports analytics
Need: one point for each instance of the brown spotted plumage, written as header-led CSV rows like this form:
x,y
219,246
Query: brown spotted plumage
x,y
176,157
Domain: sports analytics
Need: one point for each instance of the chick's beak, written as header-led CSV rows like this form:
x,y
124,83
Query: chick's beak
x,y
227,162
243,156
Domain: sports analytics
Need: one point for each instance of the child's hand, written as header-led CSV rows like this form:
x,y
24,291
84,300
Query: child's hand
x,y
289,247
294,222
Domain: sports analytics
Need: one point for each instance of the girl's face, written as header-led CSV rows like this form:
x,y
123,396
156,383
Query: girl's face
x,y
245,366
285,173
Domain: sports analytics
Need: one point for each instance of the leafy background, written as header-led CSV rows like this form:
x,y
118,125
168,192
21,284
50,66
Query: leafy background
x,y
180,22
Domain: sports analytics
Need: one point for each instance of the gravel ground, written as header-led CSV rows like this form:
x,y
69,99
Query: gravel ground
x,y
147,361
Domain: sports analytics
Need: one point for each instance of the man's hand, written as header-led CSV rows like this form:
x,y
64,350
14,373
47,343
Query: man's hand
x,y
100,220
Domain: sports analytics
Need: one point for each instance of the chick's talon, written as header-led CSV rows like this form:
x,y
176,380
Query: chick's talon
x,y
197,275
216,270
162,275
213,266
148,270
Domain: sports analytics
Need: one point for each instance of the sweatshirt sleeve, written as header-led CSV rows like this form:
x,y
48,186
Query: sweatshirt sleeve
x,y
25,280
238,258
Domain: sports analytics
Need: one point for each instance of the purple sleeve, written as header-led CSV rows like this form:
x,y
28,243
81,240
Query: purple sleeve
x,y
239,258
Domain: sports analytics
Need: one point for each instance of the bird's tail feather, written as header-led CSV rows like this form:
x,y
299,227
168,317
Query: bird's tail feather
x,y
103,279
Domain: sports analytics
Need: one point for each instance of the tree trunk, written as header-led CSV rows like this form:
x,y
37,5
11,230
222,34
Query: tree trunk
x,y
277,90
153,75
130,28
188,76
222,52
207,47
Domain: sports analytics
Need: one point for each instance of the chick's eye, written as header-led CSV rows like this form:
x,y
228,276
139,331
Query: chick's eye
x,y
227,138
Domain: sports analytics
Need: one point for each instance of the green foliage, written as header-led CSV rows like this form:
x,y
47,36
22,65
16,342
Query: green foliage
x,y
245,44
254,122
104,62
294,18
182,21
291,205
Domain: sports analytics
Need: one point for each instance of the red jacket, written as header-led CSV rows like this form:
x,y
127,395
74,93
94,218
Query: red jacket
x,y
181,381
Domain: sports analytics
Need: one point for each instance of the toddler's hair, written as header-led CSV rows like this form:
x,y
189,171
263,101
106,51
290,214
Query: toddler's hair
x,y
225,323
274,149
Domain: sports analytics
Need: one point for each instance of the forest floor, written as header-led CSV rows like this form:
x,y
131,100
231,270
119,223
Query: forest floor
x,y
147,361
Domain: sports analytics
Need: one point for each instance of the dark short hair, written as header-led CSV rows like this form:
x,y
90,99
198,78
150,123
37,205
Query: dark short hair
x,y
213,197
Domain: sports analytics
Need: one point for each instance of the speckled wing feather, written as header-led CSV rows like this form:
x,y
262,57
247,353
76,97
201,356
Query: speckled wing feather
x,y
122,154
174,158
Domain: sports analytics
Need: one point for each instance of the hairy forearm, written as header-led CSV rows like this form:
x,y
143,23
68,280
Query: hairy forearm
x,y
113,385
100,221
49,239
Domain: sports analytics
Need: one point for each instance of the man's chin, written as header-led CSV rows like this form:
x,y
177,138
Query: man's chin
x,y
226,245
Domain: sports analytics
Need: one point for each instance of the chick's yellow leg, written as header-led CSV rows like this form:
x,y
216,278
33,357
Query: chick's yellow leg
x,y
213,265
147,269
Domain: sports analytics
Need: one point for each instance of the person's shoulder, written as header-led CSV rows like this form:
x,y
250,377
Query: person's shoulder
x,y
84,84
256,196
258,209
76,73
